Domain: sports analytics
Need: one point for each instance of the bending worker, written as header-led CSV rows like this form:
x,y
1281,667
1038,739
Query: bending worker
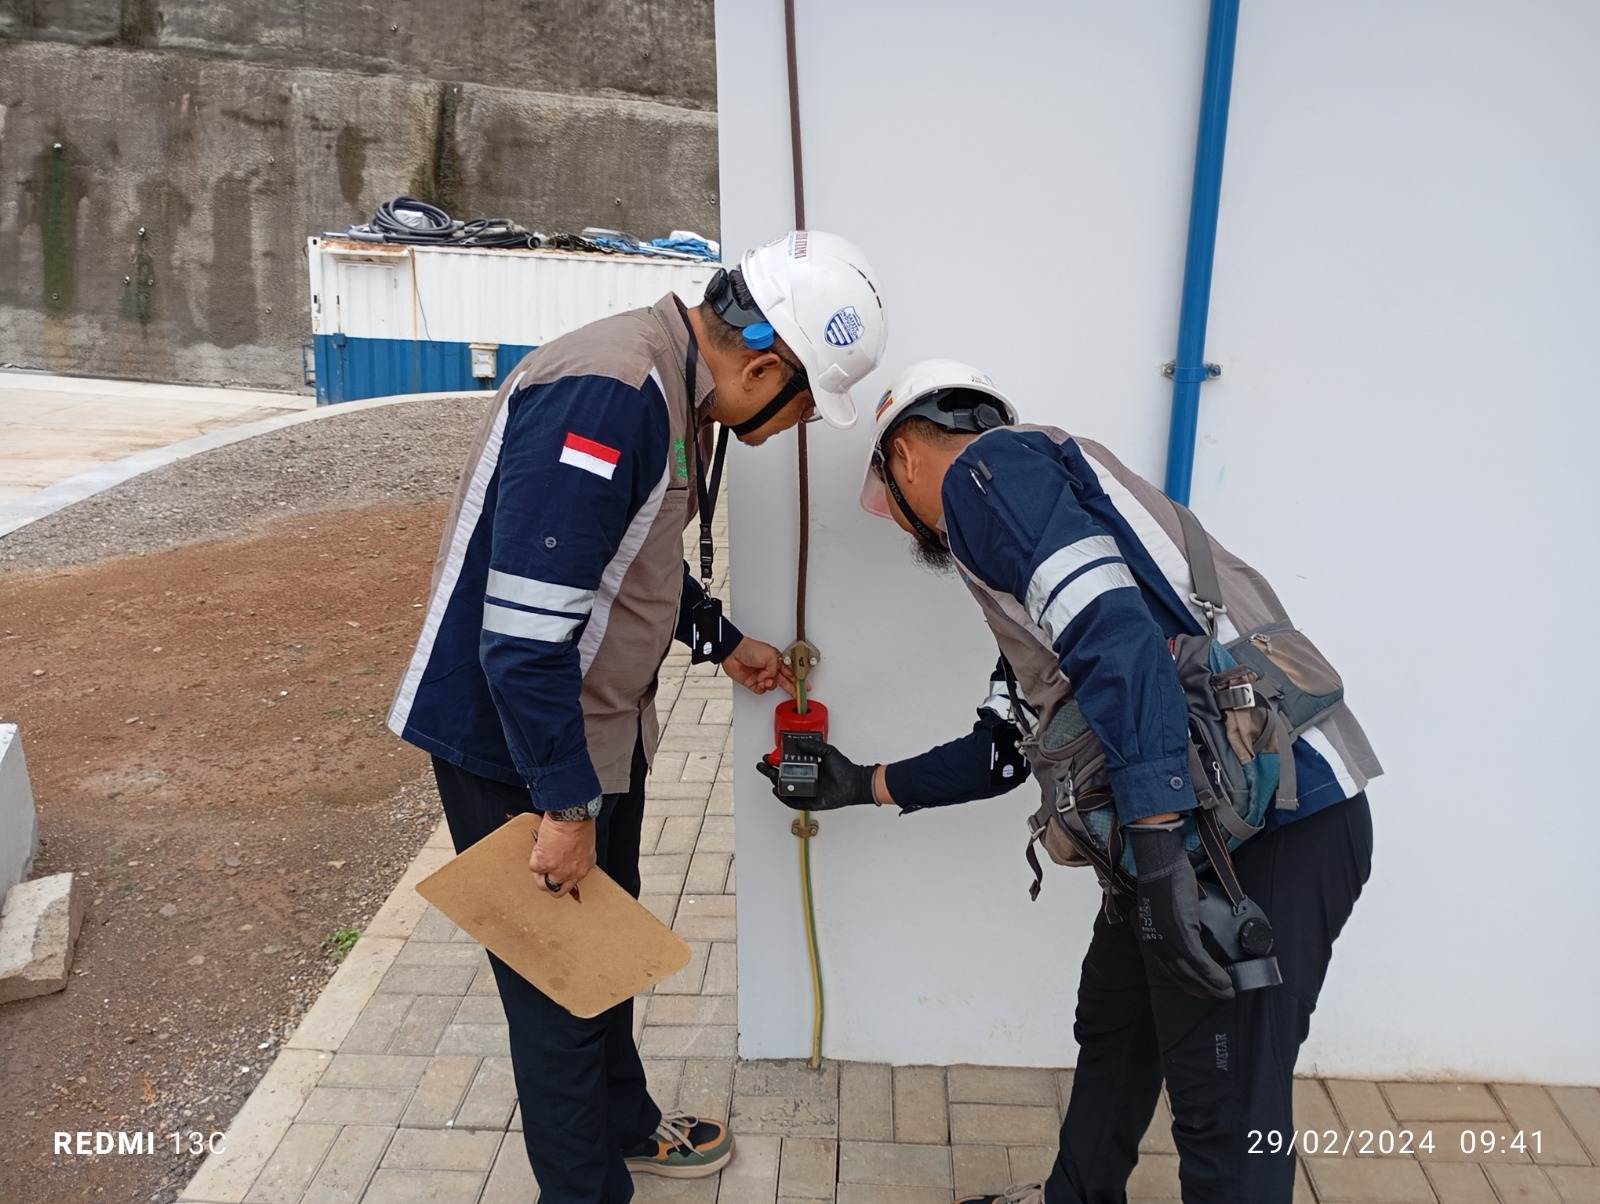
x,y
559,587
1093,584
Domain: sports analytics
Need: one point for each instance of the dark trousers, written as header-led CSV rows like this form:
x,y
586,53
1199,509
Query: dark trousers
x,y
1228,1065
580,1082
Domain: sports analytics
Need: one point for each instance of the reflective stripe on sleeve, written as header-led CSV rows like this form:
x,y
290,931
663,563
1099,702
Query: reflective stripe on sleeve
x,y
527,625
1079,592
455,558
1060,565
546,595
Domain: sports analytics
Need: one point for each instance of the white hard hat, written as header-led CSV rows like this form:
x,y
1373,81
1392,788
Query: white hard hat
x,y
821,296
919,382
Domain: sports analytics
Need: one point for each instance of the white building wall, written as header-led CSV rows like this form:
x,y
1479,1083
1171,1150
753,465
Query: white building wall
x,y
1405,309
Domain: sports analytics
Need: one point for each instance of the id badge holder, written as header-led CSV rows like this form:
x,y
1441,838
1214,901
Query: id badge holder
x,y
1007,763
705,630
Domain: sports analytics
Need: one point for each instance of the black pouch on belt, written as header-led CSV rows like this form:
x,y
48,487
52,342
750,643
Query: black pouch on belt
x,y
705,630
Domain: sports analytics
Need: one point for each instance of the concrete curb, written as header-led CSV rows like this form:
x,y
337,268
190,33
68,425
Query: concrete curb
x,y
18,514
226,1177
19,818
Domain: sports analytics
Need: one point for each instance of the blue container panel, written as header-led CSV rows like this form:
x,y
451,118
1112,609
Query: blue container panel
x,y
511,354
351,369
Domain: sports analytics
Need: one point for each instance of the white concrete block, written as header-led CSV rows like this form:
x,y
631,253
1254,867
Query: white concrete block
x,y
19,823
38,926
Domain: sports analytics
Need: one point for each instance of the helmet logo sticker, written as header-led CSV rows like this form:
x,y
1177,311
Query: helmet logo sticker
x,y
884,402
844,327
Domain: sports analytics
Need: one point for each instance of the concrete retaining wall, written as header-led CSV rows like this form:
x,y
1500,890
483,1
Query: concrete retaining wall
x,y
654,49
227,134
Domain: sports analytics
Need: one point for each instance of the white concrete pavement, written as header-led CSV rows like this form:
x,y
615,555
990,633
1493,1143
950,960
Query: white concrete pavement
x,y
53,428
62,442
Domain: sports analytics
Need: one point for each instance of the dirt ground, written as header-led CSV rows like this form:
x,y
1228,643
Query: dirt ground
x,y
204,731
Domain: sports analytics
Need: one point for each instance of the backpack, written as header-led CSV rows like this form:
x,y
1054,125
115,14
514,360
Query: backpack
x,y
1248,701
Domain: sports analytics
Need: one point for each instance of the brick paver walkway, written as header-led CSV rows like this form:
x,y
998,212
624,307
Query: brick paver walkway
x,y
397,1087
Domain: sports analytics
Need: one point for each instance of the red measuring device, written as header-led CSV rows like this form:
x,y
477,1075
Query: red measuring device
x,y
797,770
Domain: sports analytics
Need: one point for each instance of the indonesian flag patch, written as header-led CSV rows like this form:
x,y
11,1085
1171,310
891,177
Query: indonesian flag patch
x,y
590,456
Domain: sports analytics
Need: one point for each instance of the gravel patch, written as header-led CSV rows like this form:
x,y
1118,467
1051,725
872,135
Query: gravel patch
x,y
409,452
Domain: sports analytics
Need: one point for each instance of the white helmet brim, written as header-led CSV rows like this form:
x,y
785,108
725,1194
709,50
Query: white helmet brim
x,y
837,409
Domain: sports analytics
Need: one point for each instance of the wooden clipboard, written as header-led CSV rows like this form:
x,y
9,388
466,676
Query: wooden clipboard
x,y
588,956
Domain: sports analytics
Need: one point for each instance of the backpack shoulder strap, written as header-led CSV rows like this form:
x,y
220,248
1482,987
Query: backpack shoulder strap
x,y
1019,716
1202,568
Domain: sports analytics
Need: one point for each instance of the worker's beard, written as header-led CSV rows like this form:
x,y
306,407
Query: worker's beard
x,y
934,557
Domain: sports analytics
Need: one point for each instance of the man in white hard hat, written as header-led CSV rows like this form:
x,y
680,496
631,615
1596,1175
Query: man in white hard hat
x,y
1093,584
559,586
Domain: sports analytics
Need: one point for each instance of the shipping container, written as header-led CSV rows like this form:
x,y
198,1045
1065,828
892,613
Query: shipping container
x,y
389,319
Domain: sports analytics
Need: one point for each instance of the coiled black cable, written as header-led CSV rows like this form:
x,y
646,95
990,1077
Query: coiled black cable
x,y
496,232
405,219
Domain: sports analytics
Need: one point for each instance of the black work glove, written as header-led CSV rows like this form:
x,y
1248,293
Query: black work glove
x,y
840,781
1167,921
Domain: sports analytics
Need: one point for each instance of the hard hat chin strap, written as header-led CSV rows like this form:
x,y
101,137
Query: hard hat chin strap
x,y
924,532
792,388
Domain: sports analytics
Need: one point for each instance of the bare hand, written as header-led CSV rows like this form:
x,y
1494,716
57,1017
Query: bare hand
x,y
759,667
563,853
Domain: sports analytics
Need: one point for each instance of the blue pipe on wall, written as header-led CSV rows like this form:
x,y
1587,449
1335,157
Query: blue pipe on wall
x,y
1189,369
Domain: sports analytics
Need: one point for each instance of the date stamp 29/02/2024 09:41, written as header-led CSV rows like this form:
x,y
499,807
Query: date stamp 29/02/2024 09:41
x,y
1378,1143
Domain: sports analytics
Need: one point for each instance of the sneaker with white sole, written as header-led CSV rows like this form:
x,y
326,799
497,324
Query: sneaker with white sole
x,y
1019,1193
682,1147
